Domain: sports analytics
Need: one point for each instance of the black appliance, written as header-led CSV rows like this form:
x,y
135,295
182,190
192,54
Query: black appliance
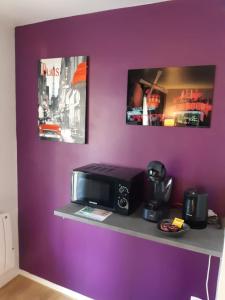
x,y
113,188
195,208
157,206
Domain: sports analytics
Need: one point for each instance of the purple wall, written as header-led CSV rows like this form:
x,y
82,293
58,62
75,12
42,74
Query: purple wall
x,y
96,262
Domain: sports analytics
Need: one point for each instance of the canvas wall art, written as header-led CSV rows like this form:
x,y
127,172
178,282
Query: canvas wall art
x,y
62,93
174,96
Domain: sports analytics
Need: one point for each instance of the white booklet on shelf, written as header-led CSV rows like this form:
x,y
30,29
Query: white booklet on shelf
x,y
93,213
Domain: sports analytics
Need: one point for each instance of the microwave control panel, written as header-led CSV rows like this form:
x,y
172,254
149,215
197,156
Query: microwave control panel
x,y
123,197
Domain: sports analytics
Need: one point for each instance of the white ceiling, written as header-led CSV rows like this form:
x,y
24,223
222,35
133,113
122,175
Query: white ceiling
x,y
21,12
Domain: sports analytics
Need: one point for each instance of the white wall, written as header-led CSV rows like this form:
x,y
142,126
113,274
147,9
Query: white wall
x,y
220,295
8,156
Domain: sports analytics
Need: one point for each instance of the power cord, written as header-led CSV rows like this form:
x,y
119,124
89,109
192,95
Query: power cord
x,y
207,278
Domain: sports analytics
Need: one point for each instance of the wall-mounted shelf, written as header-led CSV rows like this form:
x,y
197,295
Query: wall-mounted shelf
x,y
207,241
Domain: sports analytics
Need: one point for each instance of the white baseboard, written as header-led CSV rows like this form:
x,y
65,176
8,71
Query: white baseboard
x,y
56,287
5,278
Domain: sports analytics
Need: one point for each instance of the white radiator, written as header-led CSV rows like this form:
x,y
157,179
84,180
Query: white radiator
x,y
7,252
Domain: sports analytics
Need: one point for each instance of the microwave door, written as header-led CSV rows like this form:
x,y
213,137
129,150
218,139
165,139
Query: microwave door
x,y
92,190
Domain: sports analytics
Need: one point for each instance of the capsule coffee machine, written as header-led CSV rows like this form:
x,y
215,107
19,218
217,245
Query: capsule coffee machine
x,y
157,206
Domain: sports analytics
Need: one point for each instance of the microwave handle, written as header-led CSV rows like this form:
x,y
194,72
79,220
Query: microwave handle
x,y
74,185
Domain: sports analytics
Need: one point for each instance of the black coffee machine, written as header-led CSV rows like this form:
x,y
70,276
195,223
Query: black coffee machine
x,y
157,206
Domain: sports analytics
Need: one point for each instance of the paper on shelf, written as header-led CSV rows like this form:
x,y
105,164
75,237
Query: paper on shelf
x,y
93,213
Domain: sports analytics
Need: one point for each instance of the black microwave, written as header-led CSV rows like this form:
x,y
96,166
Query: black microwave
x,y
114,188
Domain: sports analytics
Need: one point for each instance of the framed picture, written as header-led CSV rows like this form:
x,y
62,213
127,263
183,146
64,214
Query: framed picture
x,y
174,96
62,93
